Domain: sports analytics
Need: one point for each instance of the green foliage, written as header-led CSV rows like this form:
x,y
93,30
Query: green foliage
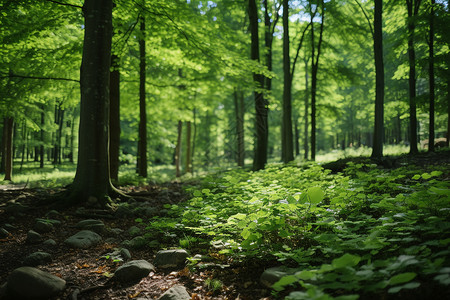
x,y
361,231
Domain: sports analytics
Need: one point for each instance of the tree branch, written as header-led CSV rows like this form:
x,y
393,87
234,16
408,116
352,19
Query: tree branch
x,y
11,75
65,4
367,17
298,49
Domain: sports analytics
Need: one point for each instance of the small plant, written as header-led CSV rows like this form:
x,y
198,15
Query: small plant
x,y
213,285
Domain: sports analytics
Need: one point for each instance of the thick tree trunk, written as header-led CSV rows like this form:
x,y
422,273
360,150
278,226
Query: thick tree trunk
x,y
261,109
142,144
92,182
287,147
431,79
114,118
8,151
178,150
377,150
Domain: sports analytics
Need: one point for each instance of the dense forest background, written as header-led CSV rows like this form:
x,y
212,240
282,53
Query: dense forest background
x,y
214,83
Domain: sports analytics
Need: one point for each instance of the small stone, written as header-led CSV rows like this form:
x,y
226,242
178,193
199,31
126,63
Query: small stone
x,y
91,224
133,271
123,210
50,242
136,243
134,230
37,258
42,226
15,208
177,292
166,259
3,233
83,239
125,254
32,283
33,237
272,275
9,227
53,214
116,231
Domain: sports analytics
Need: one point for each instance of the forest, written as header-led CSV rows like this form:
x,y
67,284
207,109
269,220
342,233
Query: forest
x,y
249,149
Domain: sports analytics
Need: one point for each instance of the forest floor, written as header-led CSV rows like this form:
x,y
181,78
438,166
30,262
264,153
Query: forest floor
x,y
83,269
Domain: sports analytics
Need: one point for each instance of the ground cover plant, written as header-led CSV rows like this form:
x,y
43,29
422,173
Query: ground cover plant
x,y
367,232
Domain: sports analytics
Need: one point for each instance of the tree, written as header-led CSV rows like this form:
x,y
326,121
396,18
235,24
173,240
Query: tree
x,y
287,146
142,143
377,150
114,118
413,9
92,182
431,77
8,144
261,109
314,69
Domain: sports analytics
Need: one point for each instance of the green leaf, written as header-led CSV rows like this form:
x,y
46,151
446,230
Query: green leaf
x,y
426,176
346,260
402,278
411,285
284,281
315,195
416,177
197,193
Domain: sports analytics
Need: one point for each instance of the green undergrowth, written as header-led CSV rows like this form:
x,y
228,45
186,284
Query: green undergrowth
x,y
364,232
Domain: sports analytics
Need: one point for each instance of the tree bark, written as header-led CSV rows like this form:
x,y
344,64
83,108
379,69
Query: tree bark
x,y
377,150
314,70
42,147
178,150
8,151
306,141
142,144
188,147
114,119
261,109
431,79
287,147
92,183
239,112
413,8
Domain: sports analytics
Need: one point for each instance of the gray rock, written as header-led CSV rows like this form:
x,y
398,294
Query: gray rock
x,y
125,254
134,230
9,227
32,283
91,224
272,275
83,239
53,222
123,210
138,242
133,271
166,259
50,242
116,231
153,244
37,258
177,292
33,237
43,226
3,233
15,208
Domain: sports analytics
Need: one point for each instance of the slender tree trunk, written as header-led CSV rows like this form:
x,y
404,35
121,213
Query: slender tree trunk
x,y
3,146
178,150
8,152
413,7
114,118
188,147
448,112
92,182
297,138
142,144
261,109
194,140
306,133
42,147
239,111
377,150
431,78
314,70
24,144
287,147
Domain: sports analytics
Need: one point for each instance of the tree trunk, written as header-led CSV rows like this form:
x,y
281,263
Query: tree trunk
x,y
239,112
314,70
3,147
306,141
188,147
92,182
413,7
24,144
377,150
8,151
142,144
431,78
448,112
178,150
297,138
114,118
287,147
261,109
194,140
42,147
